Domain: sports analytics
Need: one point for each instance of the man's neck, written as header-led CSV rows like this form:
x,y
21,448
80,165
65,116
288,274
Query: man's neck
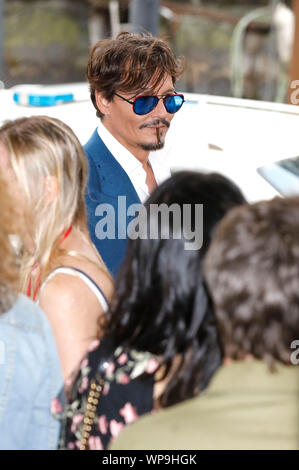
x,y
141,155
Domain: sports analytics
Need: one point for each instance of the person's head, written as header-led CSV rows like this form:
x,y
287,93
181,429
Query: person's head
x,y
8,267
132,65
161,304
252,271
46,169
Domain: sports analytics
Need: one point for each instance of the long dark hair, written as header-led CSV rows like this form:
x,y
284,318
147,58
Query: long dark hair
x,y
161,304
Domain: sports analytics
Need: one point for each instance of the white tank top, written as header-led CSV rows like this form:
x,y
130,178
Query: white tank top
x,y
85,278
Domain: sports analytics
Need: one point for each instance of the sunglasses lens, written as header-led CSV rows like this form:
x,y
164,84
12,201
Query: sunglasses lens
x,y
173,103
145,104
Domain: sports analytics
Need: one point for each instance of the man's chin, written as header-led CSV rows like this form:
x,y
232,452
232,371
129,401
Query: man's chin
x,y
152,146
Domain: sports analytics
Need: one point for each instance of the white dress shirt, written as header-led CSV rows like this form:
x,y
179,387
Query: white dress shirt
x,y
132,166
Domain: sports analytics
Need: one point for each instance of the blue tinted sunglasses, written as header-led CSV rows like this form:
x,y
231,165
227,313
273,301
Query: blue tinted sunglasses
x,y
144,104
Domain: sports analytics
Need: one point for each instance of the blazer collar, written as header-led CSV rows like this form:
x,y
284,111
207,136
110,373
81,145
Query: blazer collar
x,y
113,178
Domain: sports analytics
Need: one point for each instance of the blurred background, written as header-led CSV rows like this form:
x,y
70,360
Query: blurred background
x,y
241,48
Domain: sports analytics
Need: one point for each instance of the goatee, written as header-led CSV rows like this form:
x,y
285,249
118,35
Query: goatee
x,y
154,146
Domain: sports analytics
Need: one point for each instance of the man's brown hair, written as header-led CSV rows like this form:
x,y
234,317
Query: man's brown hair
x,y
128,63
252,271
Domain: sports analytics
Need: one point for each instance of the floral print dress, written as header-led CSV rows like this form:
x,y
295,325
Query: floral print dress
x,y
127,393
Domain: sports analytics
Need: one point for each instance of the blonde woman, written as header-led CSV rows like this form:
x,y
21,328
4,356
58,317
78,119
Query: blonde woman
x,y
30,374
46,168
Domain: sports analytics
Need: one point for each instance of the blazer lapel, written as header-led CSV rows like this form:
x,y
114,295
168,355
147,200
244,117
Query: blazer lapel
x,y
113,179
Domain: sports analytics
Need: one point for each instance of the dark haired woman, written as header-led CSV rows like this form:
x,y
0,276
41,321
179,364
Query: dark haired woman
x,y
160,327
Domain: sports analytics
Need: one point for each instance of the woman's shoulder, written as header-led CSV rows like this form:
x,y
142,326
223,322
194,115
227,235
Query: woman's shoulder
x,y
75,281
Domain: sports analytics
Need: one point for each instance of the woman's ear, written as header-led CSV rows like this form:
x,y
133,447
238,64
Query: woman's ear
x,y
102,103
50,188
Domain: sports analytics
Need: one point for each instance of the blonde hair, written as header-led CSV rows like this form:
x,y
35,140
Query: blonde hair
x,y
8,266
41,147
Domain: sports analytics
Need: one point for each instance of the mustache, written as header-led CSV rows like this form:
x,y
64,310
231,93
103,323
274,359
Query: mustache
x,y
155,122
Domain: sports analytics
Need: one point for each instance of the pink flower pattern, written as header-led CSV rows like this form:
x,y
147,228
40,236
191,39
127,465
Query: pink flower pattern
x,y
95,443
76,420
152,366
123,358
93,345
84,385
56,406
110,369
129,413
124,379
106,389
84,363
78,444
115,428
103,424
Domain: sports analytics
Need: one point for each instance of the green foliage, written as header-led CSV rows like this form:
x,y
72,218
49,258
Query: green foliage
x,y
195,33
41,26
45,41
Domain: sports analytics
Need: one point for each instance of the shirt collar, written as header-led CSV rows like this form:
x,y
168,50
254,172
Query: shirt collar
x,y
124,157
132,166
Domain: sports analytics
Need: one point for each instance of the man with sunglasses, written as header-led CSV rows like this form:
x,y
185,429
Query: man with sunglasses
x,y
132,86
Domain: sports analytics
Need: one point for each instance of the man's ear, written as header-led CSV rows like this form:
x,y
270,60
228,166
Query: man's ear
x,y
102,103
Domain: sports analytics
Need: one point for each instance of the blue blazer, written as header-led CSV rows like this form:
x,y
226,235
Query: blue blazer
x,y
106,210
